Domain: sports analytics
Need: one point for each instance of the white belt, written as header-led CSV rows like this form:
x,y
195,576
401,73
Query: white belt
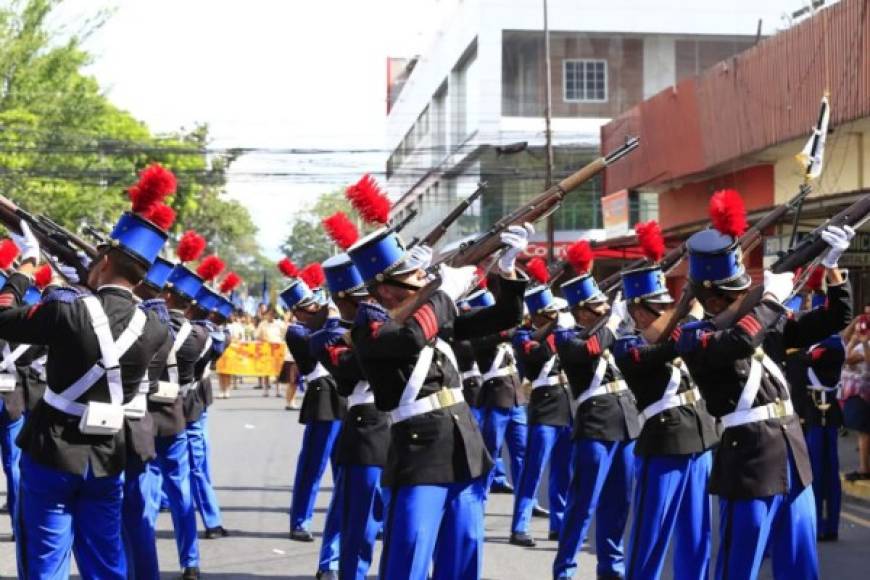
x,y
473,373
670,402
776,410
549,381
318,372
361,395
605,389
137,407
440,400
498,373
187,387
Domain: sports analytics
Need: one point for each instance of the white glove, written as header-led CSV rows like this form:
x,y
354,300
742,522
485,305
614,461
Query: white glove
x,y
618,313
458,281
779,286
27,243
420,256
517,240
838,239
68,272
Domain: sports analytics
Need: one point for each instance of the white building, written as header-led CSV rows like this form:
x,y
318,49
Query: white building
x,y
481,85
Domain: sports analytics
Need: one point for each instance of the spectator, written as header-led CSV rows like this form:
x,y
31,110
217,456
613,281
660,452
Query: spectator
x,y
289,371
856,390
270,330
236,331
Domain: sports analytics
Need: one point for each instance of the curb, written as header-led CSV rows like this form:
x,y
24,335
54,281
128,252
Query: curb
x,y
856,489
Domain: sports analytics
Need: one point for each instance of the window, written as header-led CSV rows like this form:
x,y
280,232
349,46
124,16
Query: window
x,y
584,81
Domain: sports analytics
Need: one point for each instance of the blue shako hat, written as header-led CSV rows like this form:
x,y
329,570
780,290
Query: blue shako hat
x,y
646,284
297,294
378,255
3,278
480,299
715,259
225,308
138,238
207,299
582,290
184,282
539,299
158,274
342,277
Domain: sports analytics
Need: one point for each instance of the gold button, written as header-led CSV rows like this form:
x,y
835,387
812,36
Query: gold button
x,y
358,419
661,419
734,444
413,435
455,416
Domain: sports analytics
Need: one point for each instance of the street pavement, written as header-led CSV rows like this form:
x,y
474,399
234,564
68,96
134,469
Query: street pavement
x,y
254,447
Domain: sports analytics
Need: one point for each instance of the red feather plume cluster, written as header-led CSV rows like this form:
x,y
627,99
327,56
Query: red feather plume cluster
x,y
161,215
155,184
650,239
42,276
728,212
190,246
482,278
313,275
230,283
580,256
537,269
288,268
369,201
210,268
341,230
8,253
817,276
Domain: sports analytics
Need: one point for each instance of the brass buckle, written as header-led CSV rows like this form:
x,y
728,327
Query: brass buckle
x,y
445,397
779,409
690,397
612,387
758,354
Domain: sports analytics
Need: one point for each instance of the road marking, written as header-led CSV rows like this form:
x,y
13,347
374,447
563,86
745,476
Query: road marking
x,y
856,519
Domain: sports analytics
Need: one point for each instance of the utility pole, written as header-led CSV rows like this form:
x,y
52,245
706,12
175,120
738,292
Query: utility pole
x,y
548,135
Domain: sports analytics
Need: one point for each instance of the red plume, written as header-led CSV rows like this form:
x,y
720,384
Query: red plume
x,y
8,253
190,246
537,269
728,213
210,268
649,236
161,215
369,201
155,184
814,282
288,268
42,277
579,255
341,230
230,283
313,275
482,279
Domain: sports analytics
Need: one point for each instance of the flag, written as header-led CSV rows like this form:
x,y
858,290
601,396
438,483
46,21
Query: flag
x,y
812,156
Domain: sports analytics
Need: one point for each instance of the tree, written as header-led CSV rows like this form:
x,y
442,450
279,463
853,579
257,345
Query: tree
x,y
307,242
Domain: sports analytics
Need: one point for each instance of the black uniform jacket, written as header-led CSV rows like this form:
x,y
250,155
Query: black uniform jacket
x,y
826,359
549,404
365,432
168,417
186,358
647,369
321,401
52,437
609,417
31,371
465,359
752,460
444,445
499,392
12,402
203,368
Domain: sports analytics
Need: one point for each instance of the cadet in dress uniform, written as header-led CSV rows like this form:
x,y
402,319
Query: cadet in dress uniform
x,y
673,451
73,442
170,469
437,462
815,381
361,450
322,413
549,419
761,471
469,372
605,426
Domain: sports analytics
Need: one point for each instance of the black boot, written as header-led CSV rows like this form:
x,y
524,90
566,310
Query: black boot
x,y
191,573
217,532
300,535
523,540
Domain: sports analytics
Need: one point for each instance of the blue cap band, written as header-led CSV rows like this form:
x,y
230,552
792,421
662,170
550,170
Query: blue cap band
x,y
185,282
581,290
138,237
377,254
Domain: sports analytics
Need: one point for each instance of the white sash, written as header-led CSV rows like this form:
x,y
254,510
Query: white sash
x,y
361,395
8,374
496,370
670,399
595,388
544,379
409,404
744,412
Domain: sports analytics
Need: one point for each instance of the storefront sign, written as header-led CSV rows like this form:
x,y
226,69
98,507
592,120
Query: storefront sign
x,y
614,208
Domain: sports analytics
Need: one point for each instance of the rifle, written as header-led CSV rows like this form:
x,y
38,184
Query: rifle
x,y
436,233
53,238
399,226
539,207
808,250
665,324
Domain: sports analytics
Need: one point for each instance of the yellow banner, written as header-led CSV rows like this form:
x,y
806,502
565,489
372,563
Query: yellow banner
x,y
252,359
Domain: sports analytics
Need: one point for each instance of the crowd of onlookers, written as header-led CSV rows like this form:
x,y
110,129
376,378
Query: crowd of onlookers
x,y
855,389
266,326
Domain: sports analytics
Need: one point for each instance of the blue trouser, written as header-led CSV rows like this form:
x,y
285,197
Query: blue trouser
x,y
358,503
506,424
206,437
825,460
546,443
330,547
172,465
785,525
139,516
62,512
671,501
10,454
601,486
318,441
479,414
203,493
421,516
